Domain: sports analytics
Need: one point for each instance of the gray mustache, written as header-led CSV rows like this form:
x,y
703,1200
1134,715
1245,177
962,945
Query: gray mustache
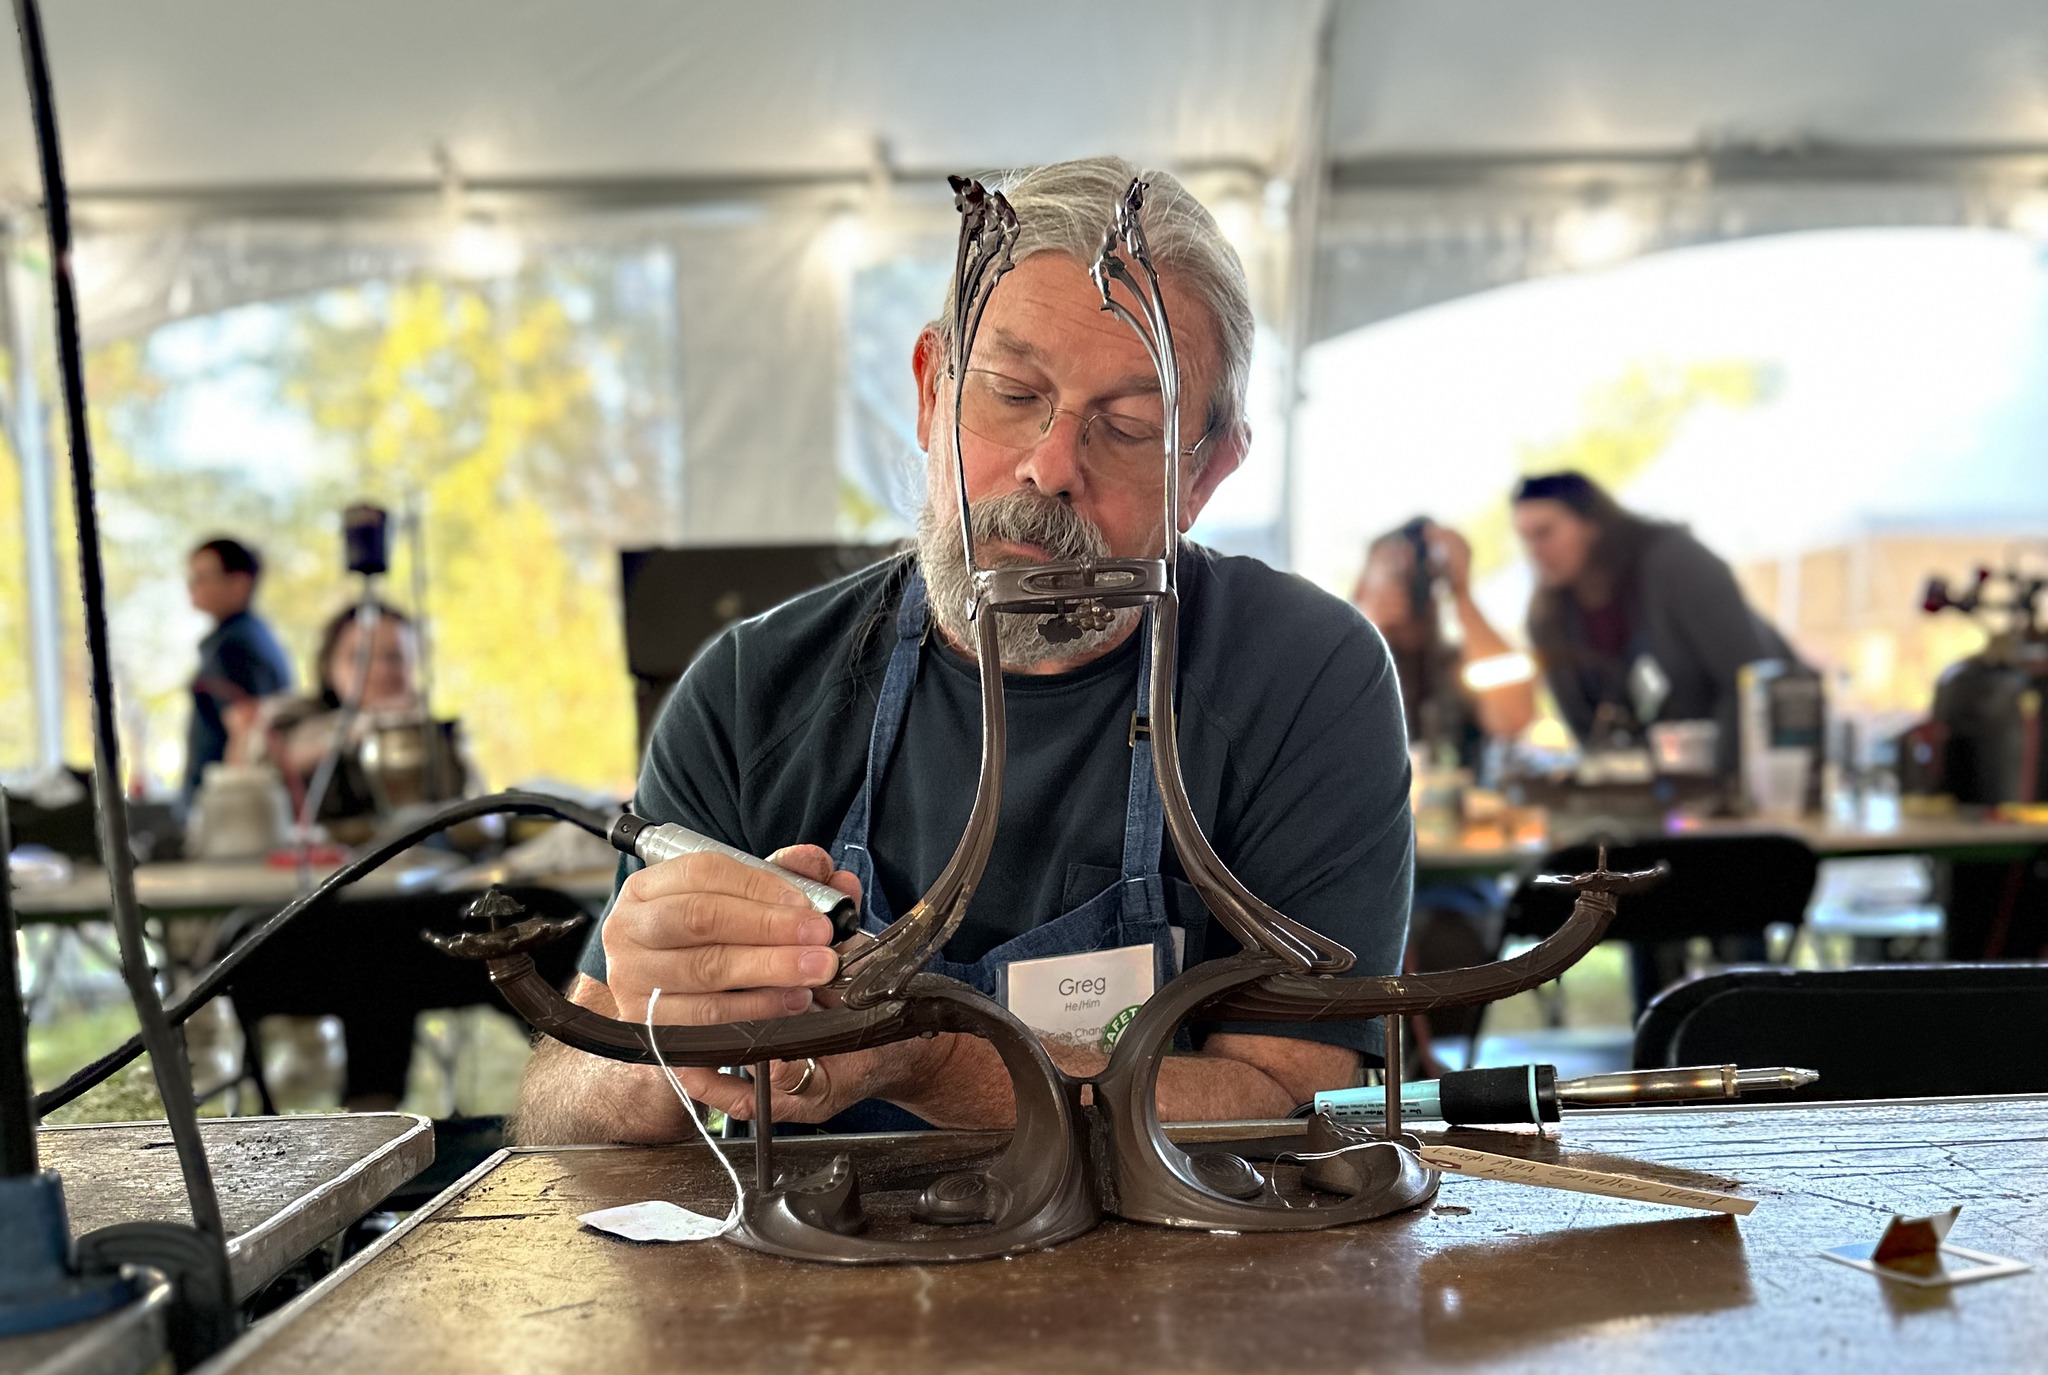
x,y
1026,517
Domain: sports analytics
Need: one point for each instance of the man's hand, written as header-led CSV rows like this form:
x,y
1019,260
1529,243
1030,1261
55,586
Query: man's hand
x,y
818,1090
726,943
723,942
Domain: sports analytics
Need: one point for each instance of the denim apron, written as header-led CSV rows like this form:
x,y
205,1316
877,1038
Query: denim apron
x,y
1130,912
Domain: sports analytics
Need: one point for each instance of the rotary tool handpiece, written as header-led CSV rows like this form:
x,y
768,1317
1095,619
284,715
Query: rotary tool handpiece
x,y
653,843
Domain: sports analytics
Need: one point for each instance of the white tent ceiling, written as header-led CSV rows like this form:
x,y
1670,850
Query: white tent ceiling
x,y
222,96
1605,76
223,106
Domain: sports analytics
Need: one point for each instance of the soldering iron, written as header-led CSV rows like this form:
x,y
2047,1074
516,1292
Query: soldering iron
x,y
1534,1093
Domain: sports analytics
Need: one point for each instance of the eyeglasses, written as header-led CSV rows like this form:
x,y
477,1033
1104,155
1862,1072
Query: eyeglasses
x,y
1016,415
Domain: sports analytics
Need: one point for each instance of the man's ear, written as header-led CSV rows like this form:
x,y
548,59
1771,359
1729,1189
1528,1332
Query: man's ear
x,y
1222,456
928,365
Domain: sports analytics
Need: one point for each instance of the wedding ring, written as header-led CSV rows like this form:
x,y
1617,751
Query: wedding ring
x,y
804,1080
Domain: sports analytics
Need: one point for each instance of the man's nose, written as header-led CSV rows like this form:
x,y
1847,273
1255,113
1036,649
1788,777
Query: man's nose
x,y
1055,465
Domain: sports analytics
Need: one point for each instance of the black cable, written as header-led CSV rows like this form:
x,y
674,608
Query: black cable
x,y
208,984
17,1111
167,1049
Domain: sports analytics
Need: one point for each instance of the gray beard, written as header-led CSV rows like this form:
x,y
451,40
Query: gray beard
x,y
1027,518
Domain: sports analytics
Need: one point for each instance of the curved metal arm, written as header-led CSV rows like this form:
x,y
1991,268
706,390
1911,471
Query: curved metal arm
x,y
873,974
1126,236
988,237
882,971
1036,1193
1256,925
1294,998
1151,1179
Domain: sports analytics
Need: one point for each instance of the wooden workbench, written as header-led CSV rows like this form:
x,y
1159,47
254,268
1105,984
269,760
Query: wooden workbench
x,y
497,1275
286,1184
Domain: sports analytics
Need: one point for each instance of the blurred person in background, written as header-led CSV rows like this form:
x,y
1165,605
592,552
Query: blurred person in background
x,y
1457,696
240,660
368,969
1633,620
380,681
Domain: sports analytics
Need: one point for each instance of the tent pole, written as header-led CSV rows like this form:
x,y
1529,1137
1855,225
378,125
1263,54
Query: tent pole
x,y
1311,179
28,432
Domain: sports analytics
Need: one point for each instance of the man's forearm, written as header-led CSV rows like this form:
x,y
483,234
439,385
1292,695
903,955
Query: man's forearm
x,y
971,1088
569,1097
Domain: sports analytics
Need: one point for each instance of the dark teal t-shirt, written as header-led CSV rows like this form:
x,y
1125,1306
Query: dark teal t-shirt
x,y
1291,741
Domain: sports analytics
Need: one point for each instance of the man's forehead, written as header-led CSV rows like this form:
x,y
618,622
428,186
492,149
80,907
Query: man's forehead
x,y
1048,307
1008,344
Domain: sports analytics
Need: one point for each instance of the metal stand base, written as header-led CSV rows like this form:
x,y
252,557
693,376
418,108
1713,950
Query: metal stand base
x,y
39,1289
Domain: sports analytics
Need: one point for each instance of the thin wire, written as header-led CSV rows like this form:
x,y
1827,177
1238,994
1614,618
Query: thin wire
x,y
739,1191
1272,1185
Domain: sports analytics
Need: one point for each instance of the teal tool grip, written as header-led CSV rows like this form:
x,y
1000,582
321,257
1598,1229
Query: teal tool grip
x,y
1418,1099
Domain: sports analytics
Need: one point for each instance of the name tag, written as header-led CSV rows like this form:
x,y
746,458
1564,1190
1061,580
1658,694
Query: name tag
x,y
1076,998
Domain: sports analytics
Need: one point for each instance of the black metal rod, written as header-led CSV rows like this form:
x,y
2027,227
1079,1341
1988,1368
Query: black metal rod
x,y
166,1047
1396,1051
764,1129
17,1091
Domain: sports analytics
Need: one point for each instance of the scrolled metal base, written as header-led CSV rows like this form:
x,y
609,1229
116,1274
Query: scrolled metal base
x,y
1036,1193
1146,1178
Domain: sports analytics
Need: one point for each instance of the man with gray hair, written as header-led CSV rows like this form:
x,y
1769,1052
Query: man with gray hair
x,y
844,728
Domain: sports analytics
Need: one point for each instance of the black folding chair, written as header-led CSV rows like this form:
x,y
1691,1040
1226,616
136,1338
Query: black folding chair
x,y
1884,1031
1728,888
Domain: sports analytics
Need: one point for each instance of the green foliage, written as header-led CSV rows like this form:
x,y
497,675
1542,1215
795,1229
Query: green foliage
x,y
531,419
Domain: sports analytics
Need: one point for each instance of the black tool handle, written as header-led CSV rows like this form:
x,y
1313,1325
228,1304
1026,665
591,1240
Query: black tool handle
x,y
1511,1093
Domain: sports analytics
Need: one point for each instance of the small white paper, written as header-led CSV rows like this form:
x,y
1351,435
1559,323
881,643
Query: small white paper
x,y
1945,1266
656,1220
1073,997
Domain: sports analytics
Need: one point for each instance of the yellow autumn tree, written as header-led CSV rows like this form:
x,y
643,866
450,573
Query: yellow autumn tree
x,y
478,403
530,418
1626,425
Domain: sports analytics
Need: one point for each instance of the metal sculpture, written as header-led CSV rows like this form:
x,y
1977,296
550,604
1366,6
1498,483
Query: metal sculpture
x,y
1064,1163
1038,1190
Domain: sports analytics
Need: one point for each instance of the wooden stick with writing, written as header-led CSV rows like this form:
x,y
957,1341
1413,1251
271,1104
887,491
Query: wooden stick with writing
x,y
1486,1165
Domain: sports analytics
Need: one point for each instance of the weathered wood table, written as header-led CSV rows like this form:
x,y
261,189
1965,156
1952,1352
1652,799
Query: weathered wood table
x,y
286,1185
497,1275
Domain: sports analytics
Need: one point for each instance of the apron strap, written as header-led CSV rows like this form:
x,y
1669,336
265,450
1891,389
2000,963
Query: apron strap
x,y
892,708
1144,813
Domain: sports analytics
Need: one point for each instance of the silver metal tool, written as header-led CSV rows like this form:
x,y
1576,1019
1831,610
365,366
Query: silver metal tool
x,y
1534,1093
651,843
1678,1085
